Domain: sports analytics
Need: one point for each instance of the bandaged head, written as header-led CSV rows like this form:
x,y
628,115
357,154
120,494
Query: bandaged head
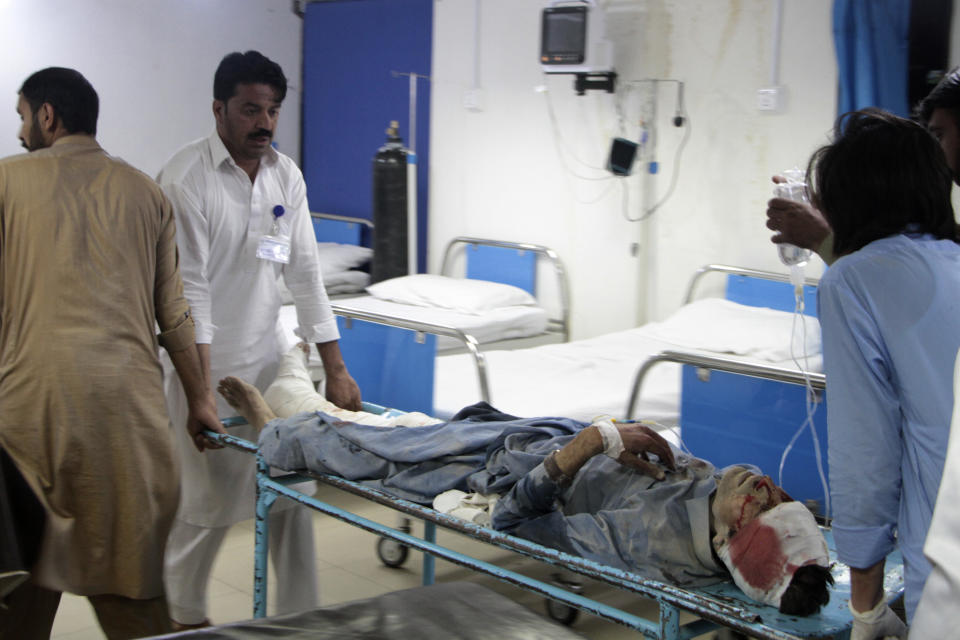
x,y
763,556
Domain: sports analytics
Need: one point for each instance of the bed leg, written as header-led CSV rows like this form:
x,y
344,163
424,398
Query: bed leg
x,y
430,535
669,622
265,499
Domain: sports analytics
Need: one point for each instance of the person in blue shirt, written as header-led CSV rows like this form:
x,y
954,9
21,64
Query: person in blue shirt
x,y
889,311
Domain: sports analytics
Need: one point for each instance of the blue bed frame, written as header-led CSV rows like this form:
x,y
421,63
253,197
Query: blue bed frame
x,y
718,606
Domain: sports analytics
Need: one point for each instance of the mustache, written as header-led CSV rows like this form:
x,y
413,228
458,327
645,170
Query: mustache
x,y
261,132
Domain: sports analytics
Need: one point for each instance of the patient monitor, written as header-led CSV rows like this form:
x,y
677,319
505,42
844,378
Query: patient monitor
x,y
573,38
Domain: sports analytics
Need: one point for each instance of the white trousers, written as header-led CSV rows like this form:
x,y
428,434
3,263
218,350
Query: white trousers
x,y
191,551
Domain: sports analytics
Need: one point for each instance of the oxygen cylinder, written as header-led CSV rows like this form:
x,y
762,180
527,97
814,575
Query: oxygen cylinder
x,y
390,209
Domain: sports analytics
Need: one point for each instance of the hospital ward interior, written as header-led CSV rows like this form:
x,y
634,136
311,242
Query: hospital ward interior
x,y
594,377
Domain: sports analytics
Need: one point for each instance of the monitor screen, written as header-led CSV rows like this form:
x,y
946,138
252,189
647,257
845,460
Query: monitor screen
x,y
564,36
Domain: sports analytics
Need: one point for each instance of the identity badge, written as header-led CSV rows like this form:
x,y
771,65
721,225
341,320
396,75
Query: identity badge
x,y
275,245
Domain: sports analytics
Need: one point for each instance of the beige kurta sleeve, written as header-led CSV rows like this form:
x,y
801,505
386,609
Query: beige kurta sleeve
x,y
173,312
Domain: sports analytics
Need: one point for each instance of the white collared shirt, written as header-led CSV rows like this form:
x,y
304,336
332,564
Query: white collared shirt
x,y
221,217
235,299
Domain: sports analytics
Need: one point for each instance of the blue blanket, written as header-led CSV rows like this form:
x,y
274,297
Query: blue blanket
x,y
480,450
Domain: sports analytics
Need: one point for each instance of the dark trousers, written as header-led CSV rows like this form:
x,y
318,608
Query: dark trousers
x,y
31,609
21,519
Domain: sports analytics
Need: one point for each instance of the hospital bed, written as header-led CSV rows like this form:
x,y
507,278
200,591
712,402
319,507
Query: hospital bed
x,y
586,378
396,361
716,606
509,291
389,339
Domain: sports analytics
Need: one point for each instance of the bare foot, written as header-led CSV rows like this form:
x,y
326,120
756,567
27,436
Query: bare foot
x,y
246,399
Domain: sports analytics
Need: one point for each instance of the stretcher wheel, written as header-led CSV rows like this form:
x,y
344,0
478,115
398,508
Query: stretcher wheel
x,y
392,553
562,613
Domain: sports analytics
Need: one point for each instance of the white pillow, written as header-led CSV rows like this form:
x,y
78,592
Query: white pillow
x,y
464,295
336,257
722,326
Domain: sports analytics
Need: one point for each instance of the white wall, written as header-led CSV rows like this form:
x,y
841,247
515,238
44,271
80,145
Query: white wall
x,y
497,173
151,62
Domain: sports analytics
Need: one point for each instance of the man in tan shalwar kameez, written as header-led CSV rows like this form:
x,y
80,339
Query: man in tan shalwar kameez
x,y
88,265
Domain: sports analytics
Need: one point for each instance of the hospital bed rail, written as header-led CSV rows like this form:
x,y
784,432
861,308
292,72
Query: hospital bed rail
x,y
556,325
471,343
320,215
737,271
817,381
348,230
714,607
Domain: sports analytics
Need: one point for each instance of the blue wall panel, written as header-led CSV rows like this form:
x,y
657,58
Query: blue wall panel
x,y
350,48
732,419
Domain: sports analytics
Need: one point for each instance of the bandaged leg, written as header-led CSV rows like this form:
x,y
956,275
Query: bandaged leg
x,y
292,392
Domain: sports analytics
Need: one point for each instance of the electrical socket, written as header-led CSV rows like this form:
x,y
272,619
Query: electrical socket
x,y
769,99
473,99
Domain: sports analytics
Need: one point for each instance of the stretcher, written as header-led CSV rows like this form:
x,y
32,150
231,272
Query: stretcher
x,y
721,605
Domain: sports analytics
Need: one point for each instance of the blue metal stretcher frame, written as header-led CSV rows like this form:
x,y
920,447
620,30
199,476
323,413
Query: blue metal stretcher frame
x,y
720,605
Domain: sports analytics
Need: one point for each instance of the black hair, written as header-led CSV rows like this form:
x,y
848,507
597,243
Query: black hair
x,y
946,95
880,175
807,591
72,97
251,67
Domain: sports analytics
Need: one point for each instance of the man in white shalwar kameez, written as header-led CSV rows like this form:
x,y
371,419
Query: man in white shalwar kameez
x,y
229,190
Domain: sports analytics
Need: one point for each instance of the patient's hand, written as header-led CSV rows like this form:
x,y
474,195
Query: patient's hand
x,y
639,441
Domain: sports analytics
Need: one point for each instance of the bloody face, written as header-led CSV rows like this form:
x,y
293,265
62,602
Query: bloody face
x,y
742,496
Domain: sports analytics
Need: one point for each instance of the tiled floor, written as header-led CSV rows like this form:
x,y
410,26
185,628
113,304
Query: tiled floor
x,y
348,569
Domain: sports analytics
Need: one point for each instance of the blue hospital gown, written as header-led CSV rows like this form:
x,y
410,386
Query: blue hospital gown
x,y
890,319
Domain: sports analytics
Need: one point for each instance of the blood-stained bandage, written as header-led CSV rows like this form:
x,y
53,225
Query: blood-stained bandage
x,y
763,556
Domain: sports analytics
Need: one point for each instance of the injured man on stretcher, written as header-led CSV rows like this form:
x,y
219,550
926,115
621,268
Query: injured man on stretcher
x,y
615,493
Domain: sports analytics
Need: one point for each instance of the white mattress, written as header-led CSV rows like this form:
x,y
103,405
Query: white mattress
x,y
496,324
580,380
587,378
